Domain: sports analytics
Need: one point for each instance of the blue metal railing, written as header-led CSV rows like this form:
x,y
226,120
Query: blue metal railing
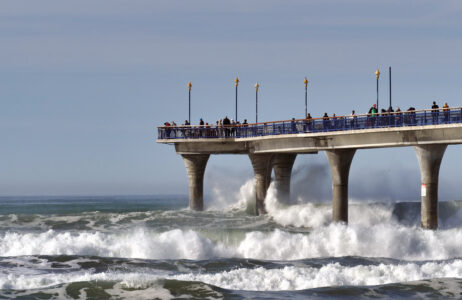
x,y
340,123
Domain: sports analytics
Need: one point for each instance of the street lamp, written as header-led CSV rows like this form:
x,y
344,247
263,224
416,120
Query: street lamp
x,y
189,90
377,75
256,102
236,83
389,73
306,96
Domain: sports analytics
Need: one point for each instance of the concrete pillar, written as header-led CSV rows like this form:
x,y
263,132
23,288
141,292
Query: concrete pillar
x,y
340,161
282,164
262,167
429,157
195,166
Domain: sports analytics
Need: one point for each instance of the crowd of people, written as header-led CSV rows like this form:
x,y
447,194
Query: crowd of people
x,y
386,117
227,127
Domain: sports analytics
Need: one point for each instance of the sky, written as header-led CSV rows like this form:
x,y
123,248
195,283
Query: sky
x,y
83,85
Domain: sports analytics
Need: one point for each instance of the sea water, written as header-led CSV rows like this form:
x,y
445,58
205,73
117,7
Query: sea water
x,y
153,247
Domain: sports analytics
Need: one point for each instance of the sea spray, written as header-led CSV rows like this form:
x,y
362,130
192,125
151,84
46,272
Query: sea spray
x,y
314,215
243,199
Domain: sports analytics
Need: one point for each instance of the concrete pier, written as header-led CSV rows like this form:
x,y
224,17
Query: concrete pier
x,y
262,167
429,157
268,140
340,161
195,166
282,164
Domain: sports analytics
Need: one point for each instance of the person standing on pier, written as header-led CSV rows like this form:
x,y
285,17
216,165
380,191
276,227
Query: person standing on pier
x,y
226,124
372,115
325,121
446,112
201,125
308,121
353,119
435,112
399,120
391,117
334,123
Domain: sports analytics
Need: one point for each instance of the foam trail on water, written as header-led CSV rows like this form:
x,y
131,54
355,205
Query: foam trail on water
x,y
34,281
296,278
261,279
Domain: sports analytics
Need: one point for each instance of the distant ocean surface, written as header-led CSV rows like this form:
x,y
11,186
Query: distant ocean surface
x,y
153,247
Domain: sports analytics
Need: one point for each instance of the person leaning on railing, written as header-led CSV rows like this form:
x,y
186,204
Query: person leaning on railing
x,y
167,129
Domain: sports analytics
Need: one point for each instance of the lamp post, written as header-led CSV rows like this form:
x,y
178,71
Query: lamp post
x,y
256,102
389,72
189,91
236,83
377,75
306,96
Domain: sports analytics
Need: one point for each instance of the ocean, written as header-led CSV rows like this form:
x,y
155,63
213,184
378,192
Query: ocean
x,y
153,247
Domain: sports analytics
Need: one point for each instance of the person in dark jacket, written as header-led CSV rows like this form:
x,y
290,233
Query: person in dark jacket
x,y
391,115
353,119
227,124
201,124
308,122
435,112
325,121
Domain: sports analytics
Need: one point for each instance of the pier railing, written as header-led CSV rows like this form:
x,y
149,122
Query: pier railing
x,y
330,124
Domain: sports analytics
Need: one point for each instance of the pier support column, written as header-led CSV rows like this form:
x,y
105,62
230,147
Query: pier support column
x,y
195,166
282,164
429,157
340,161
262,167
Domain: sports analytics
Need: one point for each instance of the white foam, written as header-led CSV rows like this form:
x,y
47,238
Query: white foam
x,y
296,278
298,215
224,199
320,214
258,279
137,243
153,291
333,240
35,281
353,240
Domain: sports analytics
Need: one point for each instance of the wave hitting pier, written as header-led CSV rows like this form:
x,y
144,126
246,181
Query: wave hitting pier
x,y
275,145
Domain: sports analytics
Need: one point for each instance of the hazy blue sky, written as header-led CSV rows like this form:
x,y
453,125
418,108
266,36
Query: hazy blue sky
x,y
84,83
